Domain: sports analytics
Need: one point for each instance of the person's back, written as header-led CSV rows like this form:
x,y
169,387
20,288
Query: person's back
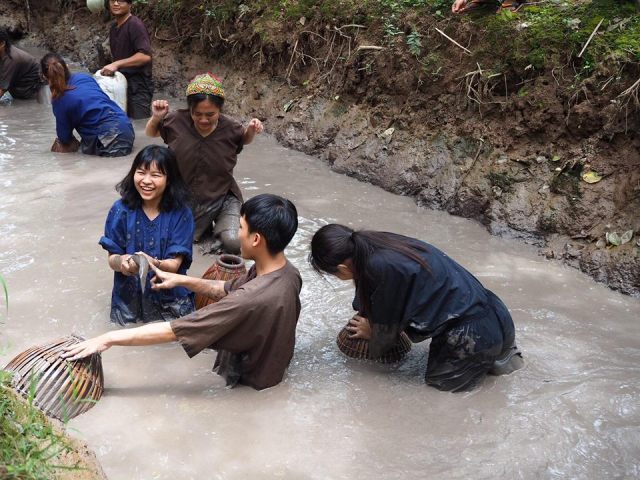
x,y
19,74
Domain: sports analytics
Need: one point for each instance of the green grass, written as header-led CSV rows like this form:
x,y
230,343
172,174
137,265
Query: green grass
x,y
29,445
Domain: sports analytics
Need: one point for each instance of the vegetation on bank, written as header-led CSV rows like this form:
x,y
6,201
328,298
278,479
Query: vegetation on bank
x,y
547,35
30,447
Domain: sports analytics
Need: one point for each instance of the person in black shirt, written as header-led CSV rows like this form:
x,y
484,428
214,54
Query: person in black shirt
x,y
131,52
406,285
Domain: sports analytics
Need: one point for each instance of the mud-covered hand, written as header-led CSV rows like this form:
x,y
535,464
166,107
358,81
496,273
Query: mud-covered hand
x,y
163,280
458,6
127,266
109,70
359,327
255,125
159,109
86,348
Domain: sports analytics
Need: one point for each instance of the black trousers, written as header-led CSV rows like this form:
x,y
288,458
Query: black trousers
x,y
462,355
139,95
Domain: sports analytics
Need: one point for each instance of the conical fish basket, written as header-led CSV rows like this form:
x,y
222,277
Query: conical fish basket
x,y
61,388
359,348
226,267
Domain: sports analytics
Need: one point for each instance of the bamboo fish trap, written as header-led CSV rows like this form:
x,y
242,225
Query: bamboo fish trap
x,y
226,267
359,348
61,388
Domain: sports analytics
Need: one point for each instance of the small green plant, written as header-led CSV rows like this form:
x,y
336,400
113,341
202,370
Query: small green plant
x,y
414,42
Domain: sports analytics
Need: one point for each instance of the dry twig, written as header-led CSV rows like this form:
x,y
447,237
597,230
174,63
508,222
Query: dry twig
x,y
453,41
590,37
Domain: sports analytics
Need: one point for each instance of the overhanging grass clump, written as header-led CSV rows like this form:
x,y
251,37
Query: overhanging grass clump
x,y
29,445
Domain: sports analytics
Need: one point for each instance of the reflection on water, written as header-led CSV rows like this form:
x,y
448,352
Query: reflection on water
x,y
572,412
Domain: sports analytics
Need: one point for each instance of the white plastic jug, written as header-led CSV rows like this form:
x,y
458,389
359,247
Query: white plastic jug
x,y
114,86
95,6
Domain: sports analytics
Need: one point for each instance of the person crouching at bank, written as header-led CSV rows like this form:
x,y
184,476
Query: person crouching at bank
x,y
79,104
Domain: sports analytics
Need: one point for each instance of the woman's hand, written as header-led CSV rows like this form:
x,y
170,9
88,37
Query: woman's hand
x,y
255,125
86,348
359,327
159,109
127,266
71,147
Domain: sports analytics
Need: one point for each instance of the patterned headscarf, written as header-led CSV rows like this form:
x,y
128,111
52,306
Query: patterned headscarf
x,y
206,83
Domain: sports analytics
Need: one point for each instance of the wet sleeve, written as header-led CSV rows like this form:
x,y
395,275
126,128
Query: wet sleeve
x,y
180,239
214,326
114,239
390,302
64,128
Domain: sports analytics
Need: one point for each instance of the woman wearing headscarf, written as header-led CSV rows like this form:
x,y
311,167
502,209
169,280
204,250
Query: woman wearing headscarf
x,y
206,144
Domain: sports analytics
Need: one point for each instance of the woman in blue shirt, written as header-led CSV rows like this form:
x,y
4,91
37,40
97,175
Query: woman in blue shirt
x,y
405,285
153,218
79,103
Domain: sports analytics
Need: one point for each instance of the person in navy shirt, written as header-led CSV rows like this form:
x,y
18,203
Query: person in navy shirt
x,y
154,219
79,103
406,285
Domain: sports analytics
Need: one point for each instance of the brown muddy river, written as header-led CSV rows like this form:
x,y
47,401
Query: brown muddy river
x,y
572,412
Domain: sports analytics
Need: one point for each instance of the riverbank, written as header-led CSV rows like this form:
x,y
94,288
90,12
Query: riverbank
x,y
501,127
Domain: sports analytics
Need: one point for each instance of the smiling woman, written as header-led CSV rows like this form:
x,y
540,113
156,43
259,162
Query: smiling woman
x,y
206,144
151,219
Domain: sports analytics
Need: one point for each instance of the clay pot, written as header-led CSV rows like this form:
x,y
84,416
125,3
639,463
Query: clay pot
x,y
359,348
61,388
226,267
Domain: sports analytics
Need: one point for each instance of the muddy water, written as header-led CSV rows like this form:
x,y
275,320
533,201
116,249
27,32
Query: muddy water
x,y
572,412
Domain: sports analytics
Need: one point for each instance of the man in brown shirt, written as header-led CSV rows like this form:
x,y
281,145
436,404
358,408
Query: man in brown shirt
x,y
131,52
253,324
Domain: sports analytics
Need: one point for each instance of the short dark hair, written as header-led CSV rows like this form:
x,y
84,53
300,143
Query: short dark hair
x,y
175,196
5,37
273,217
195,98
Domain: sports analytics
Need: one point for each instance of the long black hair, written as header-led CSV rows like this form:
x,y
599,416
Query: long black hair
x,y
333,244
176,194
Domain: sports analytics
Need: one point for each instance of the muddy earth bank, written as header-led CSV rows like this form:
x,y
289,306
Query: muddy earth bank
x,y
476,149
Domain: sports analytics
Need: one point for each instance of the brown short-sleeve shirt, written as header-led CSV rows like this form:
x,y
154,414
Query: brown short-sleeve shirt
x,y
253,328
20,73
128,39
206,163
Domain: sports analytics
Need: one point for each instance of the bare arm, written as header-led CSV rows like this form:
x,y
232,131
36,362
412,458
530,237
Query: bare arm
x,y
150,334
171,265
159,110
211,288
138,59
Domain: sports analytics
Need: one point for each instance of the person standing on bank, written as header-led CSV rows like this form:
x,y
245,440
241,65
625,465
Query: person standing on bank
x,y
253,325
206,144
19,71
131,55
406,285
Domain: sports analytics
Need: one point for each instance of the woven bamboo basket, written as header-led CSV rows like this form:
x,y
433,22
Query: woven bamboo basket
x,y
359,348
61,388
226,267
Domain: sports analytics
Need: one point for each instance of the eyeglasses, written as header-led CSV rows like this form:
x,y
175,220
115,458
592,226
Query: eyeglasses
x,y
119,2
